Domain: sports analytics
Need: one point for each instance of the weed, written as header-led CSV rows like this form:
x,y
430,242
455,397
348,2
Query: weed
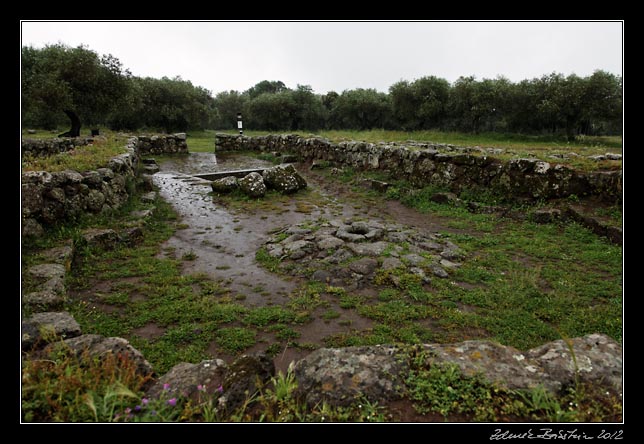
x,y
235,339
388,294
68,388
348,301
330,314
266,260
263,316
284,332
189,256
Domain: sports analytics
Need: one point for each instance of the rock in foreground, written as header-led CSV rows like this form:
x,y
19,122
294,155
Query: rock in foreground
x,y
340,376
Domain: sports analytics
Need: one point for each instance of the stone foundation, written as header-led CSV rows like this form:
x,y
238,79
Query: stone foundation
x,y
456,168
168,144
48,147
51,198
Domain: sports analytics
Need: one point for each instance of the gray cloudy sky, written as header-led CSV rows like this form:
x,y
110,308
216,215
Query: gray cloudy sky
x,y
342,55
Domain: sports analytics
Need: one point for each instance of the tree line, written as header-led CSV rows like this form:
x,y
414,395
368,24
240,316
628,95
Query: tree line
x,y
59,78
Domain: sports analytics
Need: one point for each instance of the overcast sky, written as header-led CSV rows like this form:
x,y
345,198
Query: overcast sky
x,y
336,56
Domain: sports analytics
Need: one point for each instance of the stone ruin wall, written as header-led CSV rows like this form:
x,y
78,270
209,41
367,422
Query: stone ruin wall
x,y
166,144
49,147
456,168
50,198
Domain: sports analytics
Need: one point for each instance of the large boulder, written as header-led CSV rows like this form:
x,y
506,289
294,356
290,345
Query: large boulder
x,y
191,379
225,185
31,228
43,328
98,346
245,377
252,185
45,272
339,376
284,178
102,239
45,300
592,358
50,277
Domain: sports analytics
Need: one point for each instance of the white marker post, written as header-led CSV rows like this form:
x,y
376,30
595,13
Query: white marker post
x,y
239,124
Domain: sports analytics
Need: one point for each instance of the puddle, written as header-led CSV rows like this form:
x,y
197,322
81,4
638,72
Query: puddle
x,y
203,163
224,244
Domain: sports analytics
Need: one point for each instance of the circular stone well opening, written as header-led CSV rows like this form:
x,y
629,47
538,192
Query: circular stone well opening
x,y
359,228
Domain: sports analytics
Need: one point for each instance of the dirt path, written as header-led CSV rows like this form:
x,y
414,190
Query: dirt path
x,y
222,241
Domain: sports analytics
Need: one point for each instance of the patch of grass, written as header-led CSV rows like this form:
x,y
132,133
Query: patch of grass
x,y
284,332
335,291
264,316
388,294
189,307
269,157
348,301
116,298
189,256
235,339
396,312
267,261
531,283
201,141
306,299
442,389
459,217
82,158
330,314
407,333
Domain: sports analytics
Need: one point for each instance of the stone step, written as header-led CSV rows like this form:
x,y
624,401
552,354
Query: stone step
x,y
235,173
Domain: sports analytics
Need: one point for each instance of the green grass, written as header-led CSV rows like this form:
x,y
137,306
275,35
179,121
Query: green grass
x,y
532,283
235,339
201,141
83,158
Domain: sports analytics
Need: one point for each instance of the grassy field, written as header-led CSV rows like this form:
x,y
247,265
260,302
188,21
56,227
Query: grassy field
x,y
82,158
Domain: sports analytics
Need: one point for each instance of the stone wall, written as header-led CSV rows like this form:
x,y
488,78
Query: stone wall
x,y
50,198
48,147
456,168
167,144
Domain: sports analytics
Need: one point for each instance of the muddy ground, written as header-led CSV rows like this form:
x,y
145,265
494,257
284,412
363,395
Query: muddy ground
x,y
222,240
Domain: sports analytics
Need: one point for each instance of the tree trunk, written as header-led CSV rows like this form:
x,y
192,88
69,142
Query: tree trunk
x,y
74,131
570,130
